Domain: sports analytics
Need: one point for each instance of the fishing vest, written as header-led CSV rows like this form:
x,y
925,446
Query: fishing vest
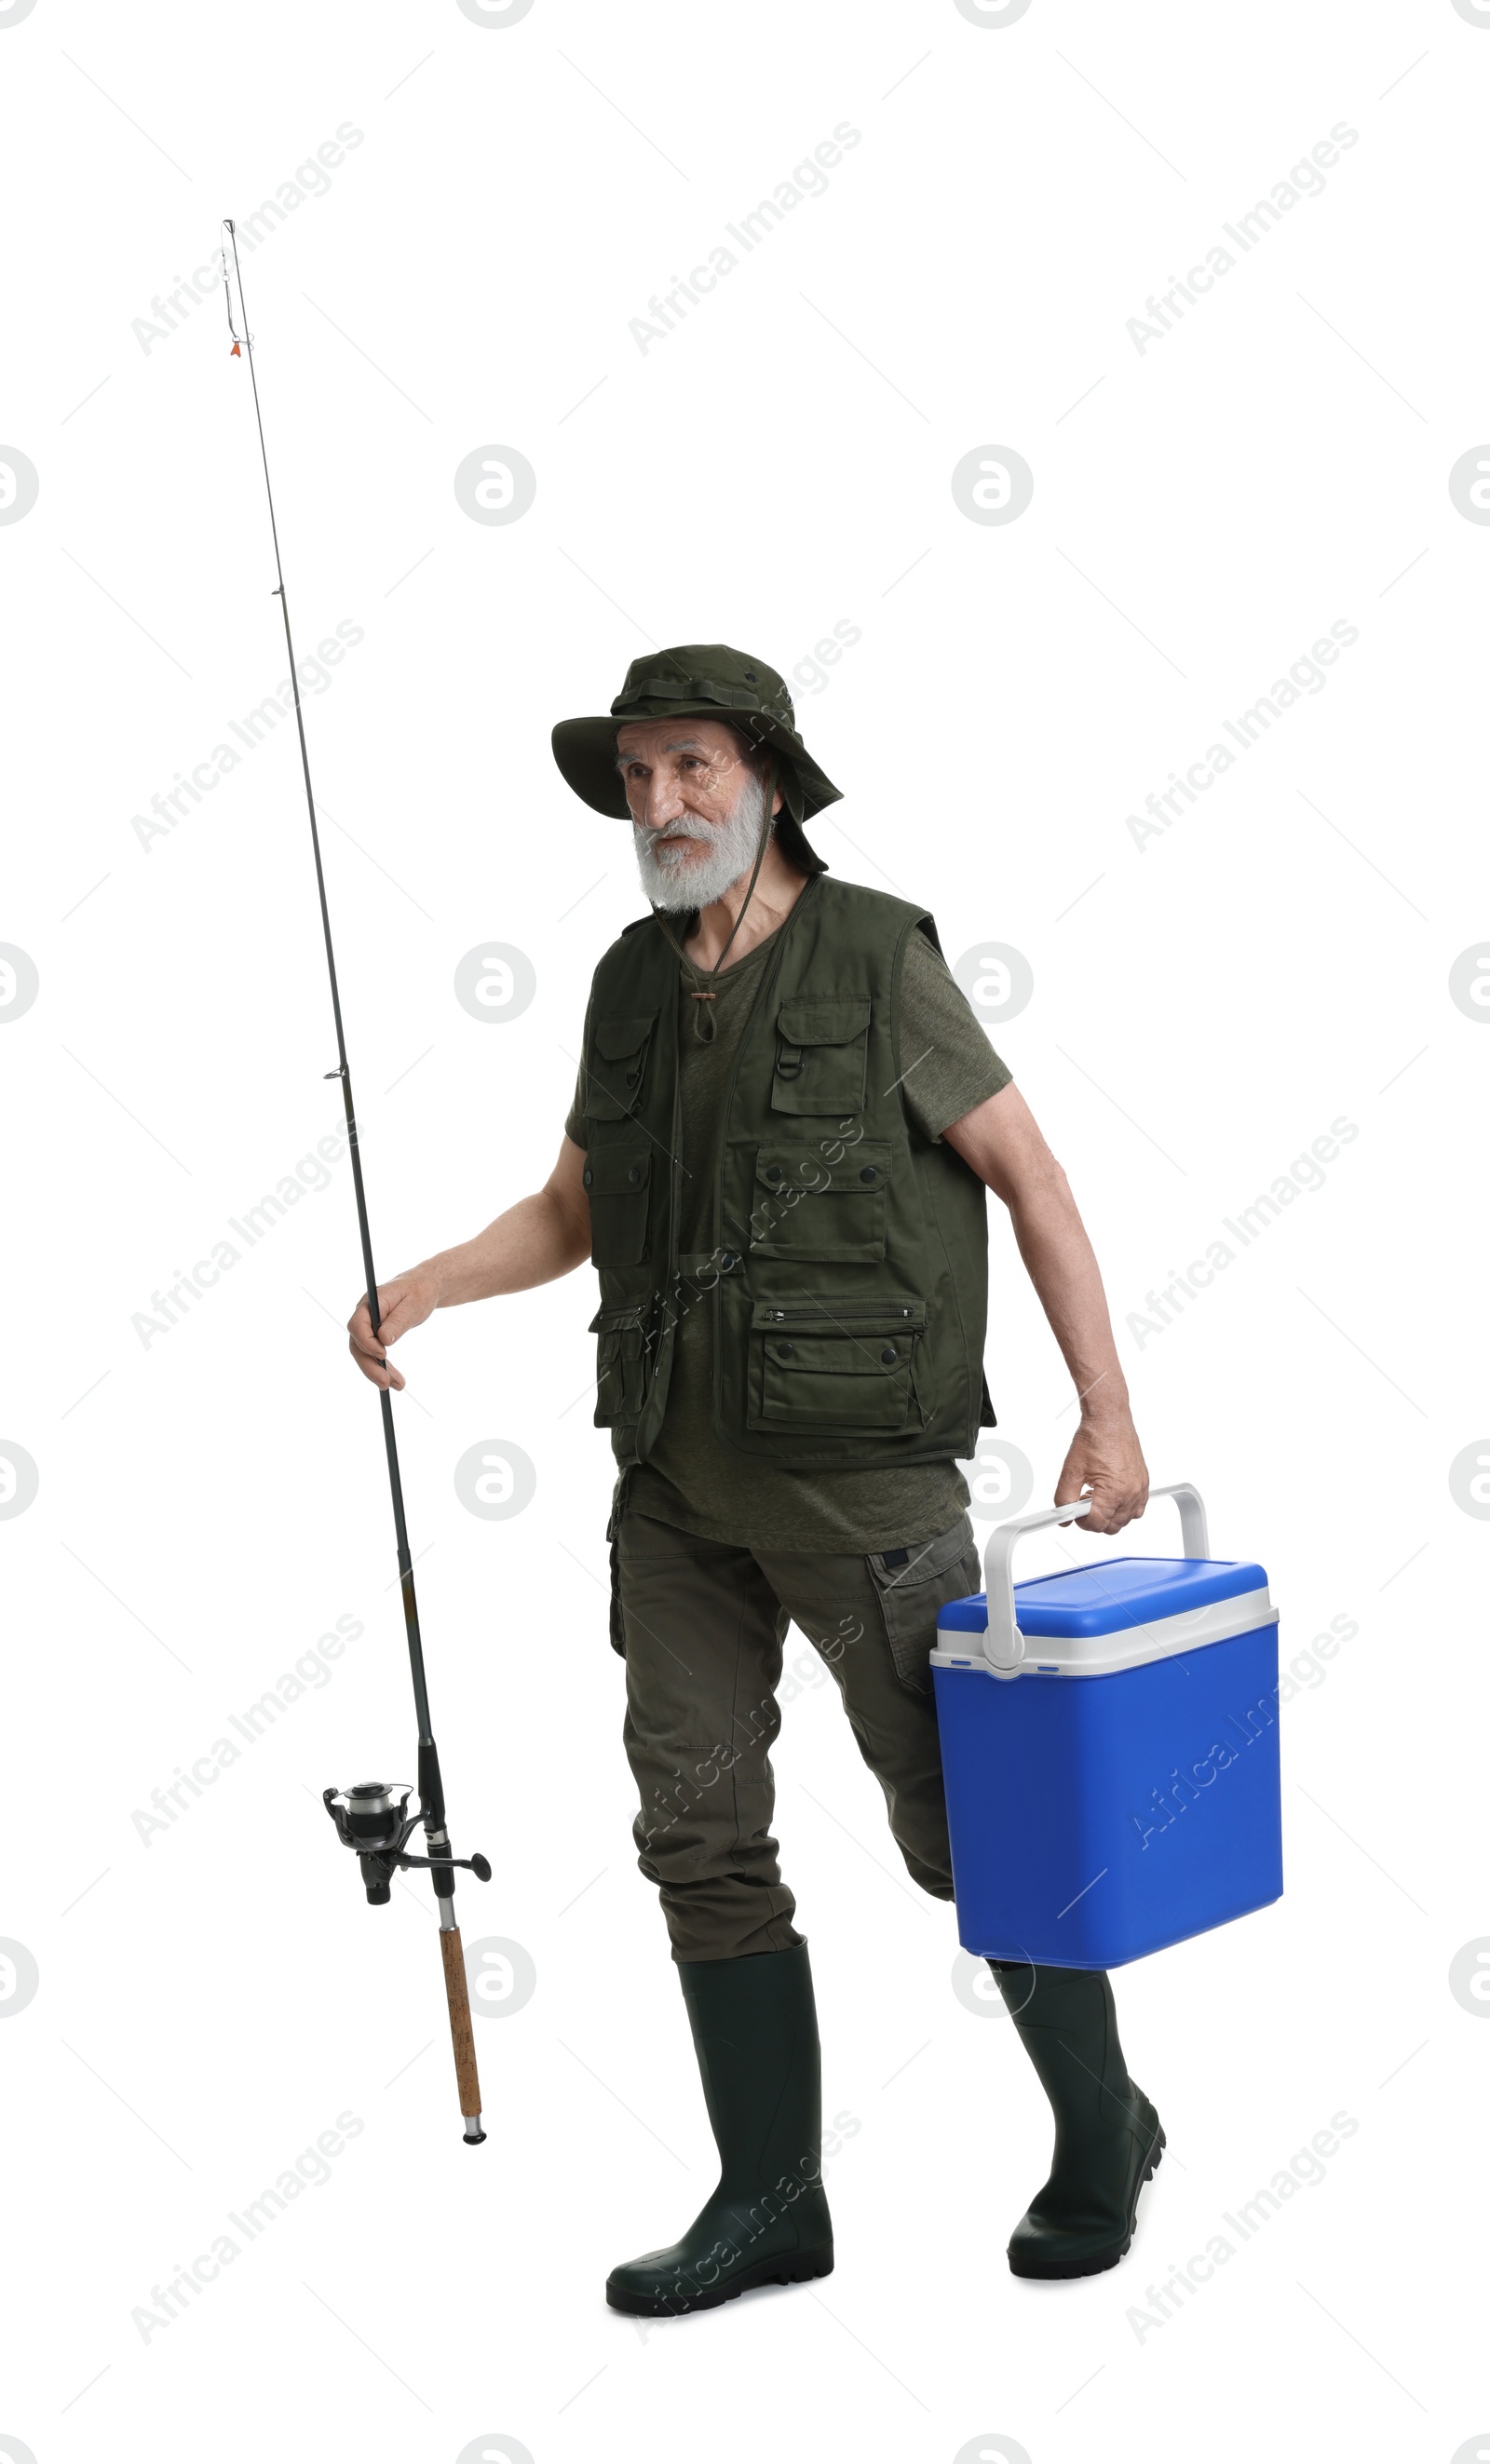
x,y
847,1285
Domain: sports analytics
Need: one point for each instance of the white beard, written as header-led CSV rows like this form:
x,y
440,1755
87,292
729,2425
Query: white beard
x,y
675,879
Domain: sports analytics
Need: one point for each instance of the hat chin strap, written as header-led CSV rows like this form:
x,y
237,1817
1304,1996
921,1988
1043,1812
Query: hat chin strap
x,y
703,984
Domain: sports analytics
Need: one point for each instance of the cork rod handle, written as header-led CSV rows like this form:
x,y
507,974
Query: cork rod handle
x,y
462,2042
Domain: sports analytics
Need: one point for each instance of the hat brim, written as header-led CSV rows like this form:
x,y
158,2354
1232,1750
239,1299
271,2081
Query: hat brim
x,y
585,752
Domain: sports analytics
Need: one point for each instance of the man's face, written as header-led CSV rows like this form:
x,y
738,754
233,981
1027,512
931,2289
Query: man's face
x,y
696,805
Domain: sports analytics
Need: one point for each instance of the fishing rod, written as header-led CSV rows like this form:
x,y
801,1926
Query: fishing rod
x,y
372,1816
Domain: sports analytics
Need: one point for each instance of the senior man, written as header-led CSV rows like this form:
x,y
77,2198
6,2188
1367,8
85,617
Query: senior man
x,y
786,1121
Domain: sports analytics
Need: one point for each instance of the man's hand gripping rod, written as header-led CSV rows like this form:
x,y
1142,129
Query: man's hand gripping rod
x,y
372,1817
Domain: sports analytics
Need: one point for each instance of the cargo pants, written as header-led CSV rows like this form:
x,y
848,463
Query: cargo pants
x,y
703,1624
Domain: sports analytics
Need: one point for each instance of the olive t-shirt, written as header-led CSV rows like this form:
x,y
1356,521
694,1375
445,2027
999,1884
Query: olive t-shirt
x,y
692,1478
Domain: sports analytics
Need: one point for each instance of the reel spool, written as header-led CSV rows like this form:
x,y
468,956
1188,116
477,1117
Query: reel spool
x,y
372,1817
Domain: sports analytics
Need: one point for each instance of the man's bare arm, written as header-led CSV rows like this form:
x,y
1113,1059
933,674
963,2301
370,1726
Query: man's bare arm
x,y
1001,1140
541,1237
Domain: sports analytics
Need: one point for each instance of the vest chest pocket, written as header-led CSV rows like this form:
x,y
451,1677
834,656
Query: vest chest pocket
x,y
615,1066
821,1052
823,1214
619,1365
616,1183
835,1366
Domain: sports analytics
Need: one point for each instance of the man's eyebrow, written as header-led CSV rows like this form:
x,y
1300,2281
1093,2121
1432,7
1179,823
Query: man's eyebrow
x,y
678,744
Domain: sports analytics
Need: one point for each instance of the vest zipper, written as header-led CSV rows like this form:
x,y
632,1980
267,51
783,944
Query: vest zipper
x,y
839,1309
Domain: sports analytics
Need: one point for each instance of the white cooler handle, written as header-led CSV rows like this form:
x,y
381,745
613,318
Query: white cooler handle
x,y
1003,1645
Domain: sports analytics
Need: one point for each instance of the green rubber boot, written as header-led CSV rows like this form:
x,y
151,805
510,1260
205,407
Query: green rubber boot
x,y
755,2035
1108,2137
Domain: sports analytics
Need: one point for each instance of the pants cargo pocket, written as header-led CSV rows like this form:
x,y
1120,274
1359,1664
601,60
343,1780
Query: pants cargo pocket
x,y
913,1583
618,1508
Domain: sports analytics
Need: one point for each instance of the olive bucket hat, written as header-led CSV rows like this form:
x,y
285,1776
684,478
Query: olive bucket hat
x,y
701,680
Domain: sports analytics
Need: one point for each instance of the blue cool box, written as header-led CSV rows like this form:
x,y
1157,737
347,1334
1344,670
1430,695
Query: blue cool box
x,y
1117,1787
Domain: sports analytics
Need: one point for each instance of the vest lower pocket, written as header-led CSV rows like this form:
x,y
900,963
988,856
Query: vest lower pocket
x,y
616,1183
620,1362
830,1216
836,1366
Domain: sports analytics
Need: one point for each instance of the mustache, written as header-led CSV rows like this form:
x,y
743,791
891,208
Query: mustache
x,y
664,848
681,828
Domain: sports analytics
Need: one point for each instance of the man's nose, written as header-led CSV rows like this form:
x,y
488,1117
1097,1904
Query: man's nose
x,y
663,805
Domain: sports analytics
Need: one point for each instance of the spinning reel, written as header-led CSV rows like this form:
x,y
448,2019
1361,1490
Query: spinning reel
x,y
372,1817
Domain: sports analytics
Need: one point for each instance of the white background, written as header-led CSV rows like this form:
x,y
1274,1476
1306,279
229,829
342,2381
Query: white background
x,y
212,1501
